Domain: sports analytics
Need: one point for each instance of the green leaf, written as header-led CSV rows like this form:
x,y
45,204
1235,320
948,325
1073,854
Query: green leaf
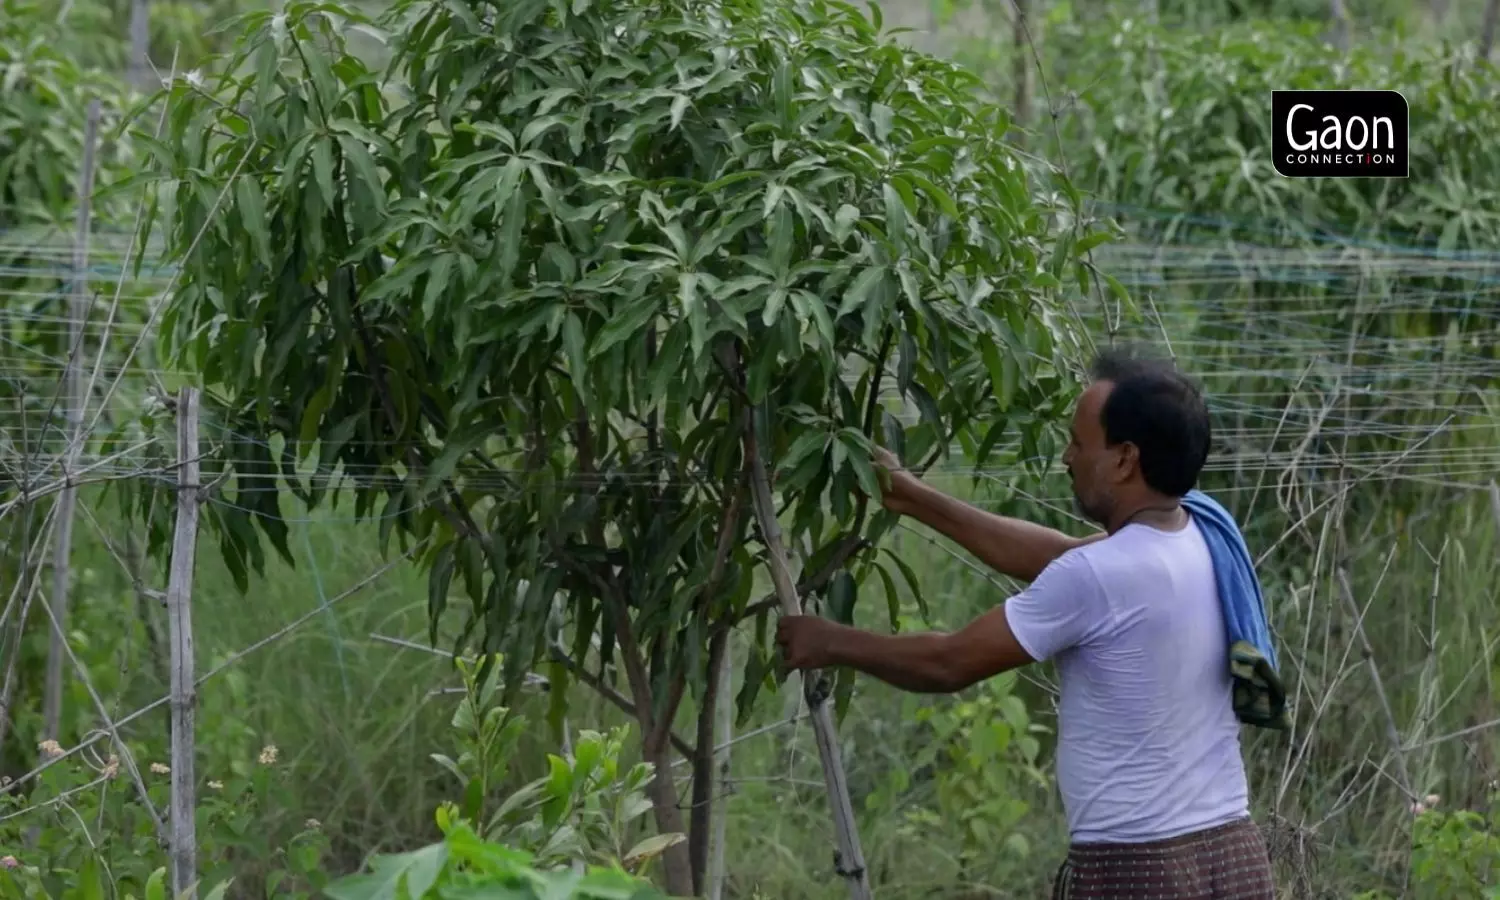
x,y
780,232
322,156
219,890
156,885
624,325
438,275
937,195
864,472
858,294
323,81
536,127
358,157
652,847
992,436
843,692
844,221
252,209
439,580
1091,240
882,117
1014,711
90,883
810,442
680,105
1116,289
841,596
773,307
892,598
750,685
414,872
573,345
911,582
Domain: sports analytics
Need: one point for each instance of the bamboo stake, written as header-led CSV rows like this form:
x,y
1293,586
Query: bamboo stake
x,y
62,551
850,861
180,640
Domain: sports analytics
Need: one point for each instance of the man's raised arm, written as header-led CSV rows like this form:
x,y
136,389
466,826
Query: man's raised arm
x,y
1012,547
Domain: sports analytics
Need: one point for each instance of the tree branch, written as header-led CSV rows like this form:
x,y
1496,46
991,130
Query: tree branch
x,y
613,696
850,545
615,607
455,511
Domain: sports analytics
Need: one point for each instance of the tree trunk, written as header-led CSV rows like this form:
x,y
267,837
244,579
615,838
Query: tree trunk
x,y
656,748
701,816
677,869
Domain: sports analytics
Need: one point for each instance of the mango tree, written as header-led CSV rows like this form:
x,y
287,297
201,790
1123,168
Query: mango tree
x,y
558,290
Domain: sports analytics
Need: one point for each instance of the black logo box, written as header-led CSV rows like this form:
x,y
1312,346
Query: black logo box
x,y
1340,134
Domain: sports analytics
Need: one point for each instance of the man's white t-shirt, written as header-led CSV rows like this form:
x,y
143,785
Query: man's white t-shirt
x,y
1148,743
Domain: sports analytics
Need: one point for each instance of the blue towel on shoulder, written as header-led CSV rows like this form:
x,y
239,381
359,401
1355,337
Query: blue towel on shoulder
x,y
1259,695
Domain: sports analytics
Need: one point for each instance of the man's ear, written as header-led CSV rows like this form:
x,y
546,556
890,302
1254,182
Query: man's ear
x,y
1127,460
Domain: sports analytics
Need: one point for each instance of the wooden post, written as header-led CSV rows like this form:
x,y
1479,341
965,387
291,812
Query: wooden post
x,y
725,733
140,45
850,861
62,551
180,639
1020,64
1341,26
1487,29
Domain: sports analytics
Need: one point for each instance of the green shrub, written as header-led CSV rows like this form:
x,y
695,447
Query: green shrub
x,y
462,862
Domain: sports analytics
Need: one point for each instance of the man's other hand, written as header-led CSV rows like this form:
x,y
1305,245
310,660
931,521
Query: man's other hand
x,y
885,459
806,641
895,481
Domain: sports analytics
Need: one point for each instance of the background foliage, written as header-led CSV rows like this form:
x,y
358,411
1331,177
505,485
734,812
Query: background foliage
x,y
316,751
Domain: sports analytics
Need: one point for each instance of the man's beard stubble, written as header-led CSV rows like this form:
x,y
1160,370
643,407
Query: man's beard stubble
x,y
1097,516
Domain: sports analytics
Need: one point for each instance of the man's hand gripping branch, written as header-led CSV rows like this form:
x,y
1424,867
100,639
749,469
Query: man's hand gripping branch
x,y
934,662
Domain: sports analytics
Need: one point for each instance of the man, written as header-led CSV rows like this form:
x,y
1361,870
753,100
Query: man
x,y
1148,757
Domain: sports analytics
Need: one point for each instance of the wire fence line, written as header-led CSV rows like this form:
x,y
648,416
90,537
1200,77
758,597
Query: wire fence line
x,y
1252,353
1292,377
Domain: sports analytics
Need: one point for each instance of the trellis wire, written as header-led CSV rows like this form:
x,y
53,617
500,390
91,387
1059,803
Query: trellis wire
x,y
1411,375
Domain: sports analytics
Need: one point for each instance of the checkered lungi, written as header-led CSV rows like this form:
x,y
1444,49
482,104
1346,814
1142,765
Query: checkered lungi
x,y
1228,862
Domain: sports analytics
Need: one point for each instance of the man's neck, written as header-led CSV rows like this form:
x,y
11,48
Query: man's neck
x,y
1156,510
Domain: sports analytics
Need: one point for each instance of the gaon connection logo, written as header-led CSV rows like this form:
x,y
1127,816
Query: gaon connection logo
x,y
1340,134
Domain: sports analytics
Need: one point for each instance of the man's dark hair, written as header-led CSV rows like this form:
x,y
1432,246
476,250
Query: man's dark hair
x,y
1160,411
